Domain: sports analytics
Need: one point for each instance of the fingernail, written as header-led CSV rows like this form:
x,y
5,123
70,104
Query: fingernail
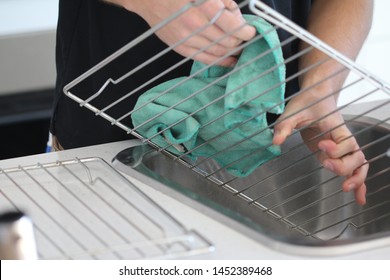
x,y
232,5
350,187
328,166
232,64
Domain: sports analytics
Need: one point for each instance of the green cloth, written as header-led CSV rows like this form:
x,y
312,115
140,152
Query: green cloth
x,y
241,150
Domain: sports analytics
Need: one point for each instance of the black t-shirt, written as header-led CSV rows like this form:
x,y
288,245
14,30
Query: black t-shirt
x,y
89,31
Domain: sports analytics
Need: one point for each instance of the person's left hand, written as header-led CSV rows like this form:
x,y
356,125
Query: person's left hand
x,y
339,151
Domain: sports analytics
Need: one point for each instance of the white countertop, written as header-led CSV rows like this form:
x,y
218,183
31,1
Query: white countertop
x,y
228,243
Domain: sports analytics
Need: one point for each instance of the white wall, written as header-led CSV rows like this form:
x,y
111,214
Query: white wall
x,y
27,45
375,55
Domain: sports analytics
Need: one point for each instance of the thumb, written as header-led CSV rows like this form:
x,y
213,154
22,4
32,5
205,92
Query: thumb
x,y
284,127
341,132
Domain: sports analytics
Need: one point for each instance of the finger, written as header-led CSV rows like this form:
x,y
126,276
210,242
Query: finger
x,y
199,30
338,150
357,179
236,25
283,129
228,19
215,34
341,144
360,194
209,59
204,57
211,32
345,165
202,43
248,31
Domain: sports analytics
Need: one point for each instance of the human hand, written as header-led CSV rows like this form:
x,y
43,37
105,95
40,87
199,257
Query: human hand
x,y
154,11
338,150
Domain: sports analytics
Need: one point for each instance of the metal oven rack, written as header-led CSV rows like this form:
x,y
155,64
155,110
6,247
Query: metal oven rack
x,y
84,209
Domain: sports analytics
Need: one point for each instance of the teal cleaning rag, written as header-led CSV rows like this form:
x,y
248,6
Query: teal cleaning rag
x,y
220,112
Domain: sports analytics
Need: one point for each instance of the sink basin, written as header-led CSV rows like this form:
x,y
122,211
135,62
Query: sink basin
x,y
290,203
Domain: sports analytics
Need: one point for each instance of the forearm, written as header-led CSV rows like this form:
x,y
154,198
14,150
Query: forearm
x,y
344,25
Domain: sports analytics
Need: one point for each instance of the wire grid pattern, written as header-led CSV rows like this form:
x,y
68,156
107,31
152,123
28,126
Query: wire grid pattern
x,y
84,209
296,190
259,193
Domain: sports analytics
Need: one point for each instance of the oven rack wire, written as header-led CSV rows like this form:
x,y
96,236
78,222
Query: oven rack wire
x,y
84,209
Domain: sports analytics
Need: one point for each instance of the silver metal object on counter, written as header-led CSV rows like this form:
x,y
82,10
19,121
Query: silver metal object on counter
x,y
17,241
311,203
84,209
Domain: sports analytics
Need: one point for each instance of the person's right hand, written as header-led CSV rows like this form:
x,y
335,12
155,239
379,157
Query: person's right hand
x,y
154,11
326,133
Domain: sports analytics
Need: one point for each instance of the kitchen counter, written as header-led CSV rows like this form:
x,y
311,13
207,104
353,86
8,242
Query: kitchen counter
x,y
228,243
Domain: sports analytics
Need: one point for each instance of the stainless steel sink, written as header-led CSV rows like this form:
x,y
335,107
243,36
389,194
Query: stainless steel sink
x,y
291,203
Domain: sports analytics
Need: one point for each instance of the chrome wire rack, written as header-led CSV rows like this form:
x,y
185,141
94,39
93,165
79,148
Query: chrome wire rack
x,y
292,187
84,209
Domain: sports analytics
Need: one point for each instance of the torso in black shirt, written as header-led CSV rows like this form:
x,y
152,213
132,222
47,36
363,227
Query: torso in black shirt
x,y
89,31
